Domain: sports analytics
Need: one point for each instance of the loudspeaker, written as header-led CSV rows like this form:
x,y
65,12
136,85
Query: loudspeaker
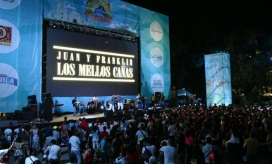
x,y
34,108
18,115
29,115
157,97
32,99
46,97
26,109
47,111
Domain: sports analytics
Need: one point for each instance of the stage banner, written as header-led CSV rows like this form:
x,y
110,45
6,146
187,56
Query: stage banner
x,y
155,53
119,16
218,79
115,15
20,53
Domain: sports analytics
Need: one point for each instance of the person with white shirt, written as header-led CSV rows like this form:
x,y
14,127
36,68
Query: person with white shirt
x,y
8,134
54,152
56,133
95,138
149,147
141,134
169,153
171,130
75,146
32,158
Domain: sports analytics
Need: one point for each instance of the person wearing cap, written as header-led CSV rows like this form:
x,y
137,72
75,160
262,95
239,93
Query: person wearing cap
x,y
8,133
56,133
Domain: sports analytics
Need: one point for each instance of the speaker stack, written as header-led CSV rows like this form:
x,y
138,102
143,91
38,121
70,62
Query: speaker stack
x,y
32,103
47,107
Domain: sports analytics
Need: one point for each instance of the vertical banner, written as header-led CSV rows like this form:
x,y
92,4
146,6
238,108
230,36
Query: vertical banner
x,y
218,79
155,53
20,53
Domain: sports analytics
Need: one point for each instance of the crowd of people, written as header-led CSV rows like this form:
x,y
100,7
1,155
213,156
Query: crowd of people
x,y
189,134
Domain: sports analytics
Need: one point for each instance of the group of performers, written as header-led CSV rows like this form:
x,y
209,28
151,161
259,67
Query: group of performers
x,y
95,105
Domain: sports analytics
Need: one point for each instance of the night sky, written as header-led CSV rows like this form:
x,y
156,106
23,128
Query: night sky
x,y
202,27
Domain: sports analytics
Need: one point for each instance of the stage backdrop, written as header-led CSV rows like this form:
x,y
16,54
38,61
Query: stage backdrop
x,y
218,79
20,53
21,40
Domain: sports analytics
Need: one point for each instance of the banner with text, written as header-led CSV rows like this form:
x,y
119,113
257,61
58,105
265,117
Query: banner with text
x,y
20,53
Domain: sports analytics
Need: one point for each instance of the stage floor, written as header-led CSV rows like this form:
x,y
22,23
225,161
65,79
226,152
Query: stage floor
x,y
15,123
72,117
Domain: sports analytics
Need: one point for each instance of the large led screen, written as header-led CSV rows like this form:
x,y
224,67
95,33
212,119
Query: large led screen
x,y
81,64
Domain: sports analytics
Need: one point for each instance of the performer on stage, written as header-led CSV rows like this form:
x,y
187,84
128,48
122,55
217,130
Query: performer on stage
x,y
90,106
75,105
138,100
119,102
96,103
113,103
162,100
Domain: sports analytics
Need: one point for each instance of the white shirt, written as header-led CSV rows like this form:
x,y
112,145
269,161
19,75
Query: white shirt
x,y
169,154
171,129
75,143
56,134
28,160
53,152
151,148
17,130
8,132
140,135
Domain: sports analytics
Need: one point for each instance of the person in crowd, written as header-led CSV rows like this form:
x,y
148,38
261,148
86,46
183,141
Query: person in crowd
x,y
116,145
32,158
54,152
88,154
64,133
4,152
19,150
8,133
103,133
121,159
18,131
95,137
84,124
169,153
150,148
56,134
35,139
74,142
251,144
103,145
141,134
48,140
207,149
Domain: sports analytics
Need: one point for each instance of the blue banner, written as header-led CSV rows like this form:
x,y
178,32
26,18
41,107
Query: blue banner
x,y
218,79
20,53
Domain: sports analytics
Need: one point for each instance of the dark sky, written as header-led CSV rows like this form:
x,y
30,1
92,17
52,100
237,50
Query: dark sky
x,y
222,15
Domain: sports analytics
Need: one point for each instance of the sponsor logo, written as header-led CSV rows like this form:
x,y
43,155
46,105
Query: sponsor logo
x,y
5,35
9,37
99,10
9,80
9,4
156,31
157,83
156,57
